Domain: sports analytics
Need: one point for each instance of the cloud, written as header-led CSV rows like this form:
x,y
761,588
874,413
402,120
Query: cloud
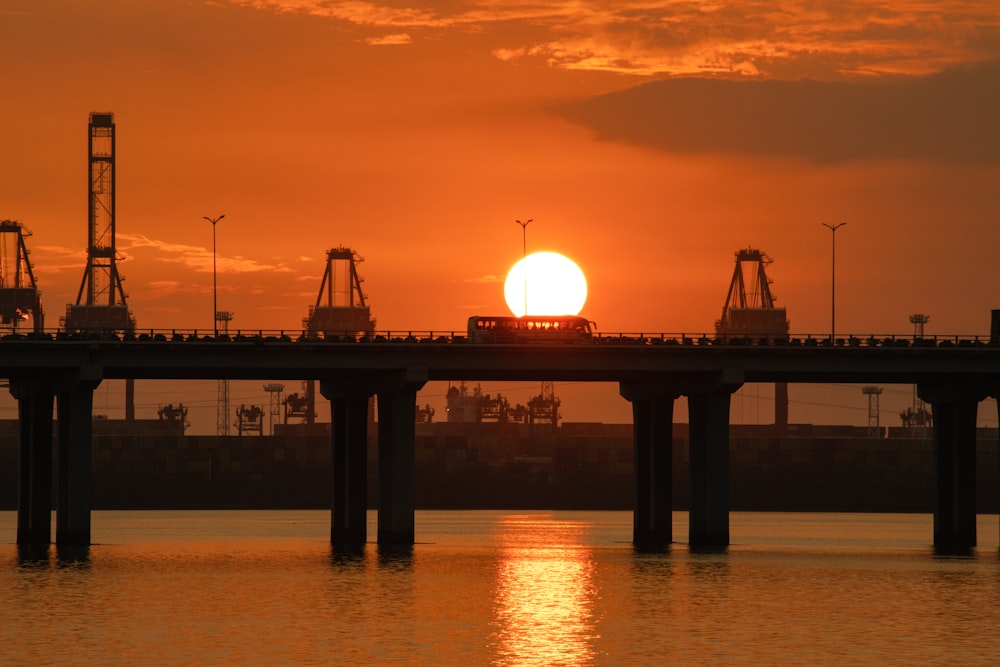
x,y
949,116
359,13
389,40
58,258
195,257
696,37
164,286
484,280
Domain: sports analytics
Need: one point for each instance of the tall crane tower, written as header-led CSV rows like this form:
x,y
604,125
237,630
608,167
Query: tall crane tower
x,y
340,308
100,303
19,296
749,311
340,311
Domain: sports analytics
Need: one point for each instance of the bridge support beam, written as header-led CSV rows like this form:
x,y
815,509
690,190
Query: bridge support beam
x,y
36,397
954,410
652,419
35,400
75,409
397,402
349,501
708,418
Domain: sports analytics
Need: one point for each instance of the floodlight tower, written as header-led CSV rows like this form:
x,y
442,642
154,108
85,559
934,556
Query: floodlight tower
x,y
749,311
920,417
872,392
222,320
274,390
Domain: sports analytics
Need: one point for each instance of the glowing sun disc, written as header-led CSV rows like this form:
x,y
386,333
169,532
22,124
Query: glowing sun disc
x,y
545,283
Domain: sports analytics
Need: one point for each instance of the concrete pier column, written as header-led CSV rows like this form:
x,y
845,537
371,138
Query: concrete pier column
x,y
397,403
349,502
708,410
954,410
75,409
35,400
652,437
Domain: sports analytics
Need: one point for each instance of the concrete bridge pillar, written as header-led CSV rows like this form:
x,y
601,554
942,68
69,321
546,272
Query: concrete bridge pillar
x,y
652,428
954,413
35,400
36,397
397,401
349,502
708,418
75,402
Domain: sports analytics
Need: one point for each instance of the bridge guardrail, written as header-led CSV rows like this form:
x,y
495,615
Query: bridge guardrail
x,y
446,337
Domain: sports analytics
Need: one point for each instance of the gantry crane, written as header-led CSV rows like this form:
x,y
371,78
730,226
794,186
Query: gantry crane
x,y
340,311
749,311
100,304
19,296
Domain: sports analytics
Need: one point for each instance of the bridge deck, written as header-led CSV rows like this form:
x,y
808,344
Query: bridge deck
x,y
449,356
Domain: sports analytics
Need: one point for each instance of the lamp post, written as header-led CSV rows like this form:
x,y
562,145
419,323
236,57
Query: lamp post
x,y
833,276
215,291
524,259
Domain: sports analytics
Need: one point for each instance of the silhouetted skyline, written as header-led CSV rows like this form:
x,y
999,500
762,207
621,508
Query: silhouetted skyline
x,y
648,143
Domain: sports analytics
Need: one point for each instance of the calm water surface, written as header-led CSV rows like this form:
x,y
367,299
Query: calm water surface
x,y
500,588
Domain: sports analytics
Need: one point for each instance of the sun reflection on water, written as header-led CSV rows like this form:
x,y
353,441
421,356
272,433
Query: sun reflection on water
x,y
545,592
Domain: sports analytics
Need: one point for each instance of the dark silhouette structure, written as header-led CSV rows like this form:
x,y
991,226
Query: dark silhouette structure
x,y
749,312
340,311
953,376
100,303
19,296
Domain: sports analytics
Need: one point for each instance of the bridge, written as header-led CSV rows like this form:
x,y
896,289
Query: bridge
x,y
60,369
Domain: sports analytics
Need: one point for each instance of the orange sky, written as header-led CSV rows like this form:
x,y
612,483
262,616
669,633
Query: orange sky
x,y
648,140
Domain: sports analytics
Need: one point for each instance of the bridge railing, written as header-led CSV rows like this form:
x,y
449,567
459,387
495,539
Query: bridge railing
x,y
449,337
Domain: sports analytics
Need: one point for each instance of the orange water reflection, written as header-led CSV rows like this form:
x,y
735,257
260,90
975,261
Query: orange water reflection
x,y
545,593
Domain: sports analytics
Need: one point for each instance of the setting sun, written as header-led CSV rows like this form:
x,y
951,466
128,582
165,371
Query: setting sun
x,y
545,283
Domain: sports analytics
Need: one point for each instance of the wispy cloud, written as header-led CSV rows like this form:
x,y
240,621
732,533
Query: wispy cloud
x,y
831,38
195,257
485,280
164,285
389,40
58,258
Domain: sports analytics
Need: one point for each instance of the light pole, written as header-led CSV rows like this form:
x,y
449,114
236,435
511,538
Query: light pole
x,y
524,259
215,291
833,276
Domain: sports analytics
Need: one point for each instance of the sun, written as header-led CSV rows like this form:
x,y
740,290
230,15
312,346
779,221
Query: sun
x,y
554,285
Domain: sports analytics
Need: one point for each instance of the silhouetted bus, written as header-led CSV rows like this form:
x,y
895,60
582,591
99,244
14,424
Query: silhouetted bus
x,y
529,329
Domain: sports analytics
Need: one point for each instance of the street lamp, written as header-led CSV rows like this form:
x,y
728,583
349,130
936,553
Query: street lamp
x,y
215,290
833,276
524,259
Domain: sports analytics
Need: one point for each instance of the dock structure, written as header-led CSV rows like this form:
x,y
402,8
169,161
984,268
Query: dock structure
x,y
952,375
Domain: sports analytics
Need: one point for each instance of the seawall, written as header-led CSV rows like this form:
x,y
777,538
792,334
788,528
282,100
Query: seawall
x,y
504,466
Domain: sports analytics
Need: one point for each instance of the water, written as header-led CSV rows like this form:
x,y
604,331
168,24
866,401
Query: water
x,y
500,588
